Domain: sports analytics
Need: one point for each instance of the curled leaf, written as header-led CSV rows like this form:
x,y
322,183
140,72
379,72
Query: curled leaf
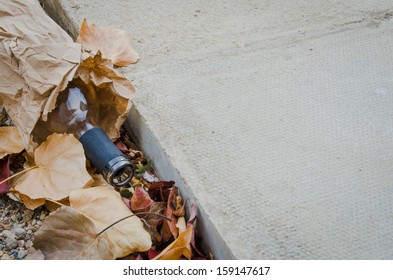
x,y
179,211
159,191
31,203
52,205
67,234
114,44
140,200
193,214
178,248
169,213
61,168
10,141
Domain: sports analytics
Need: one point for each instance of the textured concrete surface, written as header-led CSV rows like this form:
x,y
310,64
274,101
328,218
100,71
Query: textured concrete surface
x,y
276,117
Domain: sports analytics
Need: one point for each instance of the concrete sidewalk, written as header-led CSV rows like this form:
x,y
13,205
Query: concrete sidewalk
x,y
275,117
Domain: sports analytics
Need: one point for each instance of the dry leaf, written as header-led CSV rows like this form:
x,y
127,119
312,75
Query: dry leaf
x,y
178,248
113,92
114,44
67,234
40,63
151,254
61,168
37,57
191,220
34,254
158,191
107,94
4,174
153,219
140,200
104,206
54,205
31,203
181,224
193,214
10,141
121,146
169,213
179,211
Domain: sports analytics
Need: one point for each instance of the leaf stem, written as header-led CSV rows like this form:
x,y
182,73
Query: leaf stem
x,y
132,215
19,173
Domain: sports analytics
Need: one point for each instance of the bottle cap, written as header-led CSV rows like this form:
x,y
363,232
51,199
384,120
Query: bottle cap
x,y
116,168
118,171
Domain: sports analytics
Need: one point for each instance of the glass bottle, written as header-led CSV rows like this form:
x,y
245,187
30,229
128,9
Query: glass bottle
x,y
75,115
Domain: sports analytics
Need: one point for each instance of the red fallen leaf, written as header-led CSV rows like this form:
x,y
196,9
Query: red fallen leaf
x,y
151,254
192,242
4,174
193,214
191,220
169,213
140,200
158,191
122,147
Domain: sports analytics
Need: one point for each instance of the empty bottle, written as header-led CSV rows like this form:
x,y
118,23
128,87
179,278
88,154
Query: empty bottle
x,y
73,114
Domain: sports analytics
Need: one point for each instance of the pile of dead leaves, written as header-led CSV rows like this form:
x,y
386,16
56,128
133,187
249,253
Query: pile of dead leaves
x,y
90,219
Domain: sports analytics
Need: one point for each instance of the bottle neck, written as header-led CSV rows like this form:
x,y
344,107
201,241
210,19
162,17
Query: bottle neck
x,y
80,128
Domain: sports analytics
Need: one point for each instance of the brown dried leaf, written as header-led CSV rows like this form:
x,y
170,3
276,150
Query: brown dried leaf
x,y
61,168
10,141
179,211
67,234
158,191
169,213
31,203
181,224
178,248
153,219
4,174
38,58
114,44
104,206
54,205
112,91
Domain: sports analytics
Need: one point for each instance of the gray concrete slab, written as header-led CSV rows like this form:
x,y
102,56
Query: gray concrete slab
x,y
275,117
